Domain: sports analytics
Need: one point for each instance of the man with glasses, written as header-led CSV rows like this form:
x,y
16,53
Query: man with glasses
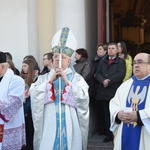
x,y
47,62
130,108
65,128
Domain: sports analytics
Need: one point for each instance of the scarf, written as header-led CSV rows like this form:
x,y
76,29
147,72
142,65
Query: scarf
x,y
63,120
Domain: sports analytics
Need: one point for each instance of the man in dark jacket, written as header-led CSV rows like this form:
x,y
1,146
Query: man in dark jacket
x,y
110,74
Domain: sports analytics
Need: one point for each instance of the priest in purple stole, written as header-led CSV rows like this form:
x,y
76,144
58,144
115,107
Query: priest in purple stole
x,y
130,108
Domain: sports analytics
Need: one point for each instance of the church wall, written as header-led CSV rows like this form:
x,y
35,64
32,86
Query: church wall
x,y
46,14
14,29
27,27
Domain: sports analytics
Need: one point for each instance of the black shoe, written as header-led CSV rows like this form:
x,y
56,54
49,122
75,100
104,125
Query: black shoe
x,y
108,139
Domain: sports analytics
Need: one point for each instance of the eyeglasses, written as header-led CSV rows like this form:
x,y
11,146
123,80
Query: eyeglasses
x,y
140,62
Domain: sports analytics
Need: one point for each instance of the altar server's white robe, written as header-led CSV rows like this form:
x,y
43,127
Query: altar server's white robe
x,y
44,118
11,111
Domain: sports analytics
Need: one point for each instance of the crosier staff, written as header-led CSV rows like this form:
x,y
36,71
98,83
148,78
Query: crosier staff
x,y
60,124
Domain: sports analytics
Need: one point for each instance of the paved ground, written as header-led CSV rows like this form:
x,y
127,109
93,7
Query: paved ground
x,y
96,143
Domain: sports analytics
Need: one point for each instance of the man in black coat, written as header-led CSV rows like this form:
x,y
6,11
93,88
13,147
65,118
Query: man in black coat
x,y
110,74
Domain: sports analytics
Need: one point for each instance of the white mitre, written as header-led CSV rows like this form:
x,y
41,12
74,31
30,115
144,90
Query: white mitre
x,y
65,40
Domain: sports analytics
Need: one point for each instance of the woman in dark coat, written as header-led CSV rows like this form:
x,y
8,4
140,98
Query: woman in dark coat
x,y
83,66
96,107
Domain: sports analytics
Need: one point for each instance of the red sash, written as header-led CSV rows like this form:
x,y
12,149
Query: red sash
x,y
1,132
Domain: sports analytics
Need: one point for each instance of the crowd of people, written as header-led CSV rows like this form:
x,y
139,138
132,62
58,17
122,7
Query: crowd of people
x,y
49,109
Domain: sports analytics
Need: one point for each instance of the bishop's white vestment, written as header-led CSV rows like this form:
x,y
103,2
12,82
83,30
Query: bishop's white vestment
x,y
75,107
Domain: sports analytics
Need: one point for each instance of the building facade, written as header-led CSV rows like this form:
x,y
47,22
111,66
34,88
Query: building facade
x,y
27,26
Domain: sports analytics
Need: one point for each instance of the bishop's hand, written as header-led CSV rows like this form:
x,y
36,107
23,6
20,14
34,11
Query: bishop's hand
x,y
59,72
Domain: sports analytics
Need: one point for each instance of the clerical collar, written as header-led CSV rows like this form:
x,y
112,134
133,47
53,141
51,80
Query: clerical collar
x,y
1,78
112,57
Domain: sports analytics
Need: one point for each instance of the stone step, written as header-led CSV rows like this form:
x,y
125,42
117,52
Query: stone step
x,y
96,143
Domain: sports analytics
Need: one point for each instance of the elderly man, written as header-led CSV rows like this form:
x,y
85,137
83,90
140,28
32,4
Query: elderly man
x,y
130,108
74,101
12,131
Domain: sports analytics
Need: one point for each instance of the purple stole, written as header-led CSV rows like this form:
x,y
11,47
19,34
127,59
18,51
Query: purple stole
x,y
136,99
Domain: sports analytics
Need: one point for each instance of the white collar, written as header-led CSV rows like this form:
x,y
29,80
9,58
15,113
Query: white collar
x,y
112,57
